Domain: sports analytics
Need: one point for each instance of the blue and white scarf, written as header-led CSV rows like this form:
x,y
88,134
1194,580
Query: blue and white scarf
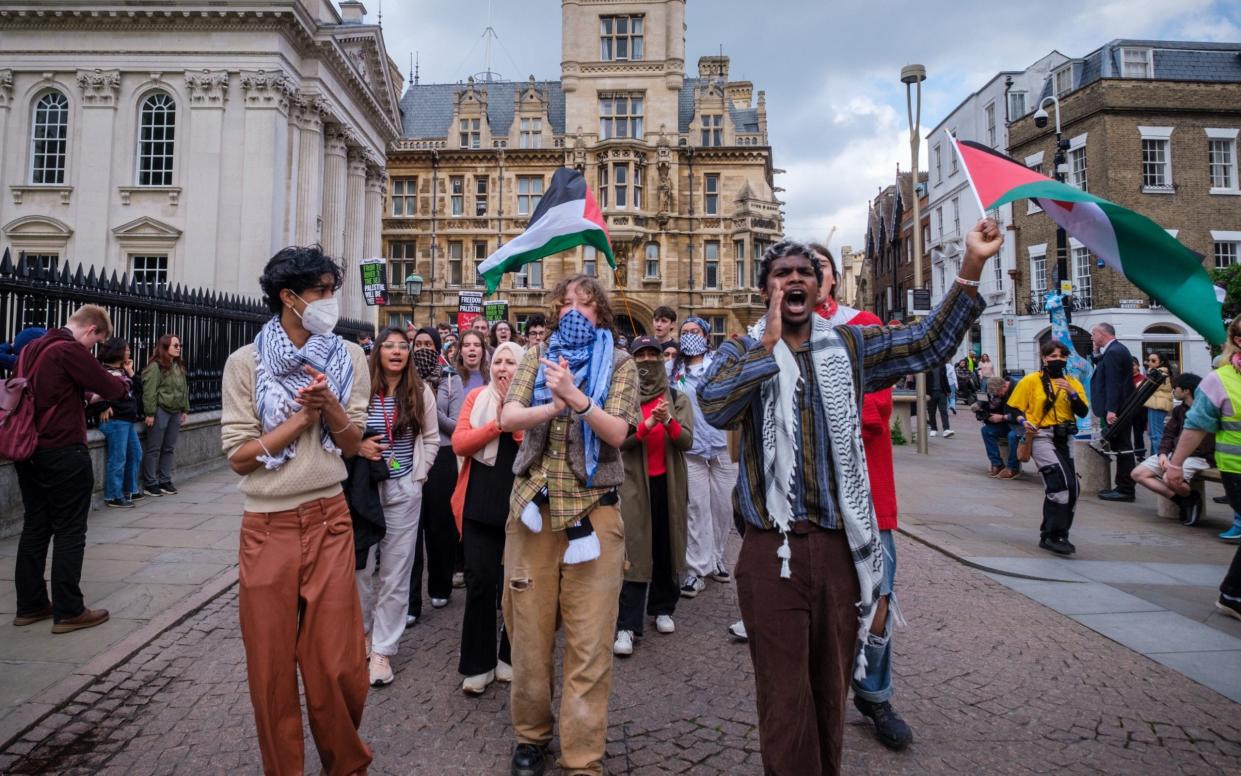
x,y
279,376
589,353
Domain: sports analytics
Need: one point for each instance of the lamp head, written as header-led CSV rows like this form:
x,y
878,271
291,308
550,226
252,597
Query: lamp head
x,y
413,286
913,74
1040,118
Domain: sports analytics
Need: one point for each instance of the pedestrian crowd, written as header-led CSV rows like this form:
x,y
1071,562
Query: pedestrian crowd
x,y
570,481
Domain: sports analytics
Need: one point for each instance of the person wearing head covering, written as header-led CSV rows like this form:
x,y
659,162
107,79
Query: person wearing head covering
x,y
653,500
438,538
711,472
9,353
480,511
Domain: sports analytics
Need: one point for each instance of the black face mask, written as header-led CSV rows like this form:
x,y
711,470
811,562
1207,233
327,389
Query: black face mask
x,y
1055,369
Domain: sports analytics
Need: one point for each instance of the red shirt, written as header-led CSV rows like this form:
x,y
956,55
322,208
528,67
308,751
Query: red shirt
x,y
60,382
876,425
656,438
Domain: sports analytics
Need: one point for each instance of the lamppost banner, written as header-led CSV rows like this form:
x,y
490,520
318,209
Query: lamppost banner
x,y
495,310
374,281
469,307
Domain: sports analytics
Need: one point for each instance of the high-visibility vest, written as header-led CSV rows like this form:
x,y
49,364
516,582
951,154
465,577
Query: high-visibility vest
x,y
1228,438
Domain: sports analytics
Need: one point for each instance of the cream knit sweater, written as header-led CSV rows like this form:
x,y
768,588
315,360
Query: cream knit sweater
x,y
313,473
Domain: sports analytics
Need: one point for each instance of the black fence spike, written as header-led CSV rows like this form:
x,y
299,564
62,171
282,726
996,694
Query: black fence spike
x,y
78,278
124,281
114,284
6,264
65,277
91,280
23,267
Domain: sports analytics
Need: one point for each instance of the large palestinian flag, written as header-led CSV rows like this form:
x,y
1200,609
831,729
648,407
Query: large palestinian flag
x,y
566,217
1126,241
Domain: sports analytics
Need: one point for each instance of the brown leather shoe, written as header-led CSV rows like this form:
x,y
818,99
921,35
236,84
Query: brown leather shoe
x,y
996,470
1007,474
32,617
89,618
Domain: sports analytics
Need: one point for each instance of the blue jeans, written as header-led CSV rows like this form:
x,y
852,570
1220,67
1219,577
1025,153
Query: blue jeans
x,y
991,436
1154,428
123,460
877,686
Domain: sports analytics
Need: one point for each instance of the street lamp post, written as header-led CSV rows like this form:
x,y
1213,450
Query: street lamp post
x,y
1060,163
913,76
413,290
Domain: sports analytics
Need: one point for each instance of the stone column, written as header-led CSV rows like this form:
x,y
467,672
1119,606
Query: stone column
x,y
264,176
308,116
355,228
92,178
335,181
6,99
376,188
203,167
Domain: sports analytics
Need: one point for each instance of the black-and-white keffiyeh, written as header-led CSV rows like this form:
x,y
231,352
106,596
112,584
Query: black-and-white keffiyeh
x,y
781,438
279,374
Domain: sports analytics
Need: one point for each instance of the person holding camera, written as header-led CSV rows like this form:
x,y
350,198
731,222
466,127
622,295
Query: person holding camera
x,y
1047,403
997,425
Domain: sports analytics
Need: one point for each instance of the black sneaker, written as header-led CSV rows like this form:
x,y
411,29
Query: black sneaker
x,y
528,760
119,503
1191,508
1058,546
168,488
137,496
890,729
154,490
1229,606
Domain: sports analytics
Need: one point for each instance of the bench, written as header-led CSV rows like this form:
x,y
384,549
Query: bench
x,y
1165,506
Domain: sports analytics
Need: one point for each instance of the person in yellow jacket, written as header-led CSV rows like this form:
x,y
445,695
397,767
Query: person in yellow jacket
x,y
166,405
1160,403
1047,403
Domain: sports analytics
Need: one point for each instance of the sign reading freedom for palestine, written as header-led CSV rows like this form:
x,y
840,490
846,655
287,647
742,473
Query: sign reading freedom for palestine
x,y
374,281
469,307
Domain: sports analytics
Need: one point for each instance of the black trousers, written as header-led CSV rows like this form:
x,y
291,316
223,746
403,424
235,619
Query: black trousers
x,y
437,533
1059,472
663,589
1126,461
937,401
484,581
1231,586
56,487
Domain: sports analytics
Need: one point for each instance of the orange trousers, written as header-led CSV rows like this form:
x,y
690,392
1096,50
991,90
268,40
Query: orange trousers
x,y
300,610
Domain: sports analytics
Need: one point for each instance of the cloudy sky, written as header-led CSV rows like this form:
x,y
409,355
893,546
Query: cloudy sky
x,y
835,104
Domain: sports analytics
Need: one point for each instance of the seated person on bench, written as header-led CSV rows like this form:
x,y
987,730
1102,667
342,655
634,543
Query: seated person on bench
x,y
1149,474
997,426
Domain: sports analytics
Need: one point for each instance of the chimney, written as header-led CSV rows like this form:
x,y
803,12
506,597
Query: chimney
x,y
352,12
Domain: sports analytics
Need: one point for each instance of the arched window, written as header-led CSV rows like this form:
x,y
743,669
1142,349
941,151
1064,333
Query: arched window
x,y
157,121
49,133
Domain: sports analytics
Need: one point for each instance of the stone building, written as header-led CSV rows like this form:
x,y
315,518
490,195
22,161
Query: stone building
x,y
889,246
680,165
1151,126
852,290
184,142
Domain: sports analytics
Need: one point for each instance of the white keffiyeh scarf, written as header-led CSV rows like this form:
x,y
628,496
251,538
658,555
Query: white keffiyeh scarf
x,y
781,440
279,374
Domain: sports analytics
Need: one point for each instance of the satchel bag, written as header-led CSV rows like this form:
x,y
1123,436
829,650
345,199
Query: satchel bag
x,y
19,435
1025,448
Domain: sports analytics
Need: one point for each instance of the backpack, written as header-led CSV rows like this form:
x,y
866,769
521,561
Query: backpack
x,y
19,434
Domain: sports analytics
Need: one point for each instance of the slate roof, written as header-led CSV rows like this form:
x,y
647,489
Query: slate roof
x,y
426,109
744,119
1173,61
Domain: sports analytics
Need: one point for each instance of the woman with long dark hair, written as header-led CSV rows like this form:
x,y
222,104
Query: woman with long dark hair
x,y
471,360
501,332
437,534
1160,403
116,423
166,403
402,415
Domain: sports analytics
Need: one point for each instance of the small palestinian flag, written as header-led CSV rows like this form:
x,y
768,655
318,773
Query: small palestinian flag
x,y
566,217
1126,241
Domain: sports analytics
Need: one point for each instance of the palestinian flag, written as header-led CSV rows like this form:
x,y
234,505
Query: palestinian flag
x,y
566,217
1126,241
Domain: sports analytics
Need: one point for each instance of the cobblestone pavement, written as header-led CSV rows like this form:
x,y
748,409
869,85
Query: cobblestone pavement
x,y
991,682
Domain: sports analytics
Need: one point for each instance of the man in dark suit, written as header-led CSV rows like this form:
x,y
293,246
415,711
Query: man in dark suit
x,y
1110,386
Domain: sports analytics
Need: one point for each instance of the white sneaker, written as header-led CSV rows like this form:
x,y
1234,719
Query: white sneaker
x,y
934,433
693,586
458,580
439,603
477,684
624,643
737,629
504,672
380,670
948,432
664,624
410,619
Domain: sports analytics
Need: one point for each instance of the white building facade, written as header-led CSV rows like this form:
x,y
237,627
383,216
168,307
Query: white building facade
x,y
185,142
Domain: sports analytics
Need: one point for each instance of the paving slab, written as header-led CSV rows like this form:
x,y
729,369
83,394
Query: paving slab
x,y
1221,671
174,537
138,601
1161,631
178,573
1077,597
37,643
171,520
26,679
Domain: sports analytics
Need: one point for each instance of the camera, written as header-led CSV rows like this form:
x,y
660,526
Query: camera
x,y
1040,118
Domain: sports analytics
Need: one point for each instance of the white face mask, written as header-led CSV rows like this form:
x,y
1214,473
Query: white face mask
x,y
321,315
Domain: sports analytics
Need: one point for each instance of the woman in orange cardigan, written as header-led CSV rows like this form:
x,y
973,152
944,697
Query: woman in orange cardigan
x,y
480,506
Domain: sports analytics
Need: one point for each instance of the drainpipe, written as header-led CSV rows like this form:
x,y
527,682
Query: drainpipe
x,y
689,155
435,198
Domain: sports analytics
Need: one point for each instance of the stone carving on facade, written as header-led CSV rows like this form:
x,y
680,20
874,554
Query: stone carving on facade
x,y
579,151
337,139
6,87
267,89
358,160
208,88
309,110
99,87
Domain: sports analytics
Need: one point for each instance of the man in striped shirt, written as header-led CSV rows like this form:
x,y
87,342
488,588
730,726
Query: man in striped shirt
x,y
803,628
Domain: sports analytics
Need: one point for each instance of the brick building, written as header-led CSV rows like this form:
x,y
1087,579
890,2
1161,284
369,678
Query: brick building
x,y
889,246
680,165
1151,126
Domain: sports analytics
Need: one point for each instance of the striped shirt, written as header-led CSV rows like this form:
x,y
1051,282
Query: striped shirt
x,y
881,355
402,449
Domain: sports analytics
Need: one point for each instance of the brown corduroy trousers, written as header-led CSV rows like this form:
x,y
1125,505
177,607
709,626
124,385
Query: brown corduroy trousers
x,y
802,638
299,609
